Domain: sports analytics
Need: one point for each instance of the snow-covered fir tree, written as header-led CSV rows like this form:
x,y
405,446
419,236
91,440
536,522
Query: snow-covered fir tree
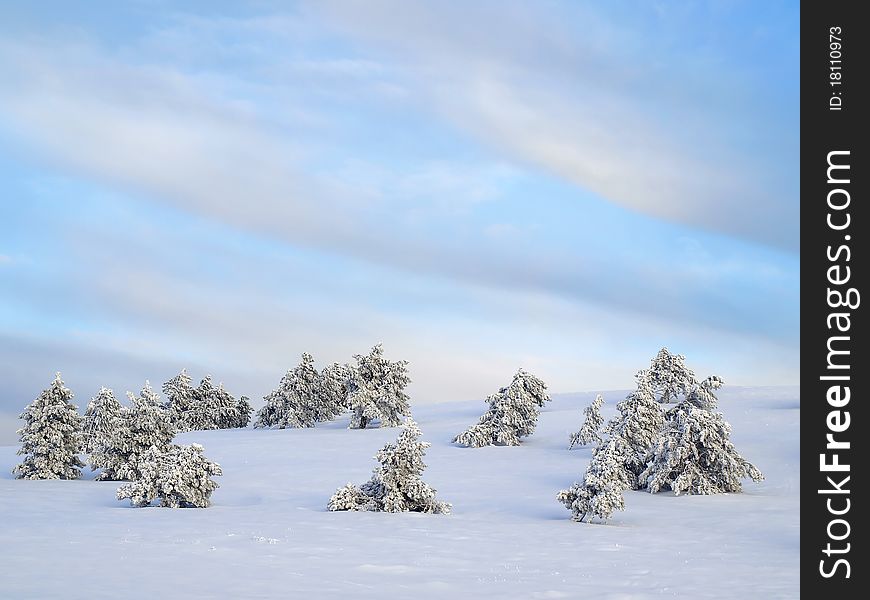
x,y
376,390
51,437
213,407
694,453
589,431
638,424
606,478
203,407
178,476
512,414
224,409
617,461
100,420
396,484
294,403
333,391
181,398
668,377
243,412
141,426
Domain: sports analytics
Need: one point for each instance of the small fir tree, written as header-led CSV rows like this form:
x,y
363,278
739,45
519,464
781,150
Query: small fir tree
x,y
179,476
617,462
141,426
213,407
333,391
296,400
512,414
606,478
181,398
376,390
51,437
638,424
225,408
396,484
101,417
591,425
243,412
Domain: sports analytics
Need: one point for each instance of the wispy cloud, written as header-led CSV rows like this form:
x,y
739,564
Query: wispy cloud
x,y
196,152
635,110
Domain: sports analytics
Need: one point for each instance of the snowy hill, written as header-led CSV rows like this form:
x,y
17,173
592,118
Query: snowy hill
x,y
268,533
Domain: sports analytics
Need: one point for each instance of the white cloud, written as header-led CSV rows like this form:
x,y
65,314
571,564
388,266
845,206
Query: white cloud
x,y
160,132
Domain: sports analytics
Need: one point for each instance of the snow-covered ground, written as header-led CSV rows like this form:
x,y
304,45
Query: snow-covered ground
x,y
268,533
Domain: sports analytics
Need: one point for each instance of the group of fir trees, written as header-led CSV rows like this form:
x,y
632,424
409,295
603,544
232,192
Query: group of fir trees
x,y
304,397
203,407
373,390
684,448
127,443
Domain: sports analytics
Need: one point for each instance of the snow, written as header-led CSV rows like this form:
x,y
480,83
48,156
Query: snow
x,y
268,533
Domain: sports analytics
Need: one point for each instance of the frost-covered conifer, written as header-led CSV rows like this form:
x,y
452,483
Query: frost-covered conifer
x,y
51,437
591,425
201,415
638,424
224,409
512,414
668,376
141,426
376,390
333,391
243,412
617,461
694,453
396,484
100,419
295,401
179,476
600,492
180,398
203,407
212,408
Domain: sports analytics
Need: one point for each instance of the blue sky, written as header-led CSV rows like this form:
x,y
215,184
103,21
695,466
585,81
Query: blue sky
x,y
563,186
